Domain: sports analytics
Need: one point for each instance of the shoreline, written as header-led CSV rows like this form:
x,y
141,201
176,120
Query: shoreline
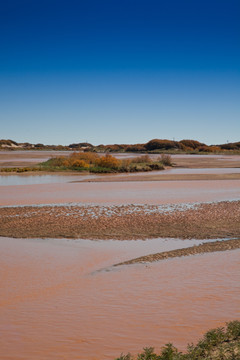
x,y
153,176
208,247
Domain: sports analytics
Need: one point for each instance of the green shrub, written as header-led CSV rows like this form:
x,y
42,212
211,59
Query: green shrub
x,y
217,344
233,330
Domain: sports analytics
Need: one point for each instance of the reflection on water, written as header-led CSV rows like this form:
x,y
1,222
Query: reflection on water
x,y
54,306
10,180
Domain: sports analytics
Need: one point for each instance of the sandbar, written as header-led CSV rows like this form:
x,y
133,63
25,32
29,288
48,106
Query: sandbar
x,y
199,221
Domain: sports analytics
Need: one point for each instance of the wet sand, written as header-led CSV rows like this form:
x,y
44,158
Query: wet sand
x,y
216,246
55,305
202,221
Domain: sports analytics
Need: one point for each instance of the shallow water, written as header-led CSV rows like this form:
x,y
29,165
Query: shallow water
x,y
139,192
10,180
26,179
54,305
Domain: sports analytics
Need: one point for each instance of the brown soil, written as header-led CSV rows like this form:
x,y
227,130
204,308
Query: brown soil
x,y
205,221
194,250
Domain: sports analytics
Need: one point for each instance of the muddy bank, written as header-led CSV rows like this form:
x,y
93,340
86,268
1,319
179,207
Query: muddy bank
x,y
202,221
162,177
194,250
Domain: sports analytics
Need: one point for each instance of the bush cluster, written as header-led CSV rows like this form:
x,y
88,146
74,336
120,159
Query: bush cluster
x,y
217,344
90,161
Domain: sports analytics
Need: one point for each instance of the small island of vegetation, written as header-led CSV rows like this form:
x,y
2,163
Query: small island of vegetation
x,y
94,163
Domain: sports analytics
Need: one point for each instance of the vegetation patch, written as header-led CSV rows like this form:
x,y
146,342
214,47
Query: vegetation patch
x,y
188,146
222,343
93,162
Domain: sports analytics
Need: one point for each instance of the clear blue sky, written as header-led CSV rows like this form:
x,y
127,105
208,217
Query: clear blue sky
x,y
119,71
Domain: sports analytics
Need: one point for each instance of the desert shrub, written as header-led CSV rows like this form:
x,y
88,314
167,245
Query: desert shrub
x,y
214,337
231,146
169,352
8,142
204,148
102,170
111,148
108,161
157,144
135,148
83,145
39,146
88,157
191,144
56,162
125,357
147,354
156,166
126,162
233,330
141,159
79,164
101,164
214,149
165,159
216,344
115,147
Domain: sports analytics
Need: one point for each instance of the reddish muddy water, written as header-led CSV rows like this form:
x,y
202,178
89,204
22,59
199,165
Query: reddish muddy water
x,y
55,304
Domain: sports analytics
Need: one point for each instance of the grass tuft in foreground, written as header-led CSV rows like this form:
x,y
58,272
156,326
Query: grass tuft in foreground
x,y
222,343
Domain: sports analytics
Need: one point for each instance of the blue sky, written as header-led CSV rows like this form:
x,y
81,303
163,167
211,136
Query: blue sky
x,y
119,71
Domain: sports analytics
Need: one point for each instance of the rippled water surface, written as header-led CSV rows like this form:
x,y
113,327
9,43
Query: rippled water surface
x,y
55,305
139,192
